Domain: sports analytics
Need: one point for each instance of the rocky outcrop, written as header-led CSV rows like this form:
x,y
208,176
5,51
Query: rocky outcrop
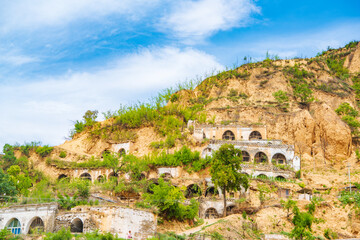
x,y
352,62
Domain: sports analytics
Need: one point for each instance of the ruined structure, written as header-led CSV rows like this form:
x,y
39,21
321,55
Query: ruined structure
x,y
46,217
253,143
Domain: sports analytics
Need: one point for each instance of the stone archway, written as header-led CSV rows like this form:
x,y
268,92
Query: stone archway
x,y
85,176
211,191
211,213
36,226
100,178
77,226
193,190
113,175
262,176
261,157
122,152
62,176
255,135
278,158
280,178
14,226
228,135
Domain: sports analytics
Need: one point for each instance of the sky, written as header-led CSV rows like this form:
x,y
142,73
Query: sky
x,y
60,58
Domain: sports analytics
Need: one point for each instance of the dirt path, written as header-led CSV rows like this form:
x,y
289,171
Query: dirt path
x,y
207,222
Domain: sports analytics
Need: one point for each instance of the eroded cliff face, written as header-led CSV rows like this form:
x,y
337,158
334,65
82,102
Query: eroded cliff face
x,y
314,131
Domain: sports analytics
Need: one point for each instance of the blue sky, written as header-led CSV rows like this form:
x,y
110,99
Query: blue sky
x,y
59,58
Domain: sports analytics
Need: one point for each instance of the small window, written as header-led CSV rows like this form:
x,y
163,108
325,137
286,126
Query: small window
x,y
245,156
14,226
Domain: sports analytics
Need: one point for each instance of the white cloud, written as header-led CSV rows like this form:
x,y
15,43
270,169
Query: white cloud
x,y
42,110
15,58
195,20
32,14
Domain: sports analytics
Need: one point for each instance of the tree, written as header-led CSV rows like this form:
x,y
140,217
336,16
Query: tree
x,y
90,117
169,200
302,221
302,225
9,156
303,92
225,170
20,179
7,187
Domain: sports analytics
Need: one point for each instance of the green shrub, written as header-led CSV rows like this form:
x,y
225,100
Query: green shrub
x,y
281,96
6,234
329,234
62,234
351,44
346,109
62,154
337,67
44,150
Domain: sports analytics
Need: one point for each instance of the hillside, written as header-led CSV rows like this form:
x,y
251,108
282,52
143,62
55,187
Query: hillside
x,y
310,106
245,96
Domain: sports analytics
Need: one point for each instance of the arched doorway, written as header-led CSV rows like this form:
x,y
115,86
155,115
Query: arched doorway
x,y
193,190
211,213
122,152
36,226
113,175
100,179
14,226
206,152
280,178
77,226
228,135
262,176
278,159
62,176
261,157
229,210
166,175
204,135
245,156
85,176
211,192
255,135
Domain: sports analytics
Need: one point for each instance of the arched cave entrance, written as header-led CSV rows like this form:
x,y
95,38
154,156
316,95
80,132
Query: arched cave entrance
x,y
278,159
193,190
122,152
228,135
211,192
261,157
101,178
85,176
62,176
77,226
211,213
262,176
36,226
255,135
